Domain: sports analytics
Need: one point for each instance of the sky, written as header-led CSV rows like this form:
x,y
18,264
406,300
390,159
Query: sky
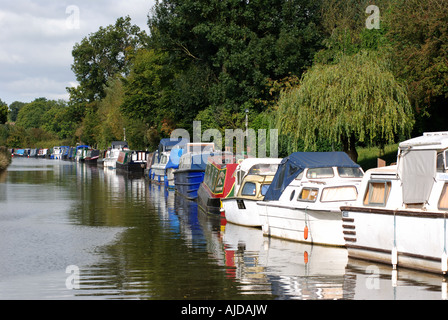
x,y
37,38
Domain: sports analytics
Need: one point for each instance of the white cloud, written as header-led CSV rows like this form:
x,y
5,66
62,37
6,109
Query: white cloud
x,y
37,37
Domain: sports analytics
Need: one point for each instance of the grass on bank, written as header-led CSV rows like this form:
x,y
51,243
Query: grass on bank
x,y
367,157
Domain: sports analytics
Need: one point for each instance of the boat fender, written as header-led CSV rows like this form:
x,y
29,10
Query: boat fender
x,y
305,233
305,257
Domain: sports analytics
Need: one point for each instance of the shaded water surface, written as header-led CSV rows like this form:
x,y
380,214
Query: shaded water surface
x,y
73,231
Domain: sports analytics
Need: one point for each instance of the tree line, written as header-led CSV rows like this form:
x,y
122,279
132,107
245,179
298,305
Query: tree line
x,y
315,70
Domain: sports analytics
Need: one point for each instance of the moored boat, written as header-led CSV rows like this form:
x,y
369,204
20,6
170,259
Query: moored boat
x,y
218,182
161,158
81,152
57,153
304,199
253,178
400,216
158,168
132,161
92,156
110,159
190,174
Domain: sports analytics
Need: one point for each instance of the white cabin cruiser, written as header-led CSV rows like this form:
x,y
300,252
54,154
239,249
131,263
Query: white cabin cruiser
x,y
400,216
110,160
304,199
253,178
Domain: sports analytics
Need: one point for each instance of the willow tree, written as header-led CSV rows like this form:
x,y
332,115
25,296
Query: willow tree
x,y
355,99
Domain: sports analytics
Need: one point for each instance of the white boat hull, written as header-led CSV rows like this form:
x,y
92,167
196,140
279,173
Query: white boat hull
x,y
419,238
110,163
159,174
244,213
304,225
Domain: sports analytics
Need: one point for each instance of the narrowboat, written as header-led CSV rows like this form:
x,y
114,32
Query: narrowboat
x,y
92,156
81,152
253,178
110,159
400,216
132,161
190,173
57,153
304,199
218,182
43,153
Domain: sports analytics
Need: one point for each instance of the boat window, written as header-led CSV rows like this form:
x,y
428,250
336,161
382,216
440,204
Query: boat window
x,y
264,169
249,189
443,201
308,194
377,193
292,195
320,173
440,163
299,176
264,189
343,193
350,172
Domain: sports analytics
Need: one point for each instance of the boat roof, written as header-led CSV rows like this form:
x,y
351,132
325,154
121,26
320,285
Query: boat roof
x,y
294,164
429,140
248,163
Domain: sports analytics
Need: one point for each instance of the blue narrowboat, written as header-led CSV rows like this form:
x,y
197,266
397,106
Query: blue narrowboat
x,y
190,173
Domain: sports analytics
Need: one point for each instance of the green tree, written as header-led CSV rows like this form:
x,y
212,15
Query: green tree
x,y
111,121
14,109
103,55
236,45
419,35
355,99
32,114
3,112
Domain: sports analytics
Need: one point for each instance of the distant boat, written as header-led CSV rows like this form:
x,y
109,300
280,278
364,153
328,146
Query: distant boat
x,y
218,182
81,152
161,159
43,153
57,153
110,160
132,161
92,156
253,178
304,199
158,168
190,174
400,217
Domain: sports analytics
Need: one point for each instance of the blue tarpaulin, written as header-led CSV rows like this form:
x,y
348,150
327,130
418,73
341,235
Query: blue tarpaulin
x,y
175,155
291,166
168,144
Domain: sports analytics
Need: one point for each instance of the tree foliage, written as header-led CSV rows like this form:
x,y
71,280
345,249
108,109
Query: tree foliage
x,y
102,55
355,99
3,112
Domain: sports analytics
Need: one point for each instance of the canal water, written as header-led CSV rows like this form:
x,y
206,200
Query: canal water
x,y
72,231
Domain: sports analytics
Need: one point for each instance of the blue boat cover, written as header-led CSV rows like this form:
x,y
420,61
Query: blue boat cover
x,y
199,161
167,144
175,155
294,164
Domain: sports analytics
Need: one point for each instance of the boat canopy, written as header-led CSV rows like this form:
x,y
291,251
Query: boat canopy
x,y
166,144
173,161
291,166
119,144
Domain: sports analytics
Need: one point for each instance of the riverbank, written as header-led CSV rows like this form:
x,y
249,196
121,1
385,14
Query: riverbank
x,y
5,158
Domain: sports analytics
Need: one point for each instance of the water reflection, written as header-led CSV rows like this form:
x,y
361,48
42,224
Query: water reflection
x,y
134,240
